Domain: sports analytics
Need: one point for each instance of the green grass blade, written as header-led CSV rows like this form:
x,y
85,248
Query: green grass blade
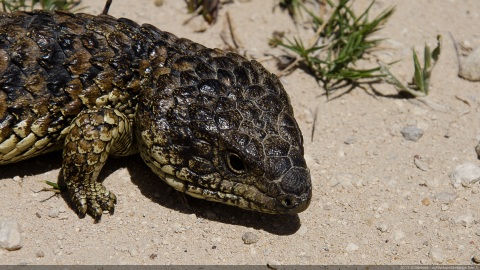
x,y
418,75
427,58
346,40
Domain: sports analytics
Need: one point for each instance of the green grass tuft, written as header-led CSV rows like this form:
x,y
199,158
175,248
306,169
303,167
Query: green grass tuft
x,y
420,85
340,42
29,5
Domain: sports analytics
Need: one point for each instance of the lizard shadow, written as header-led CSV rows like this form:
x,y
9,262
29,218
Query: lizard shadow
x,y
152,187
32,166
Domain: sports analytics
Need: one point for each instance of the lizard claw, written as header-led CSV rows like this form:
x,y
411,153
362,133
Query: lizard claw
x,y
93,201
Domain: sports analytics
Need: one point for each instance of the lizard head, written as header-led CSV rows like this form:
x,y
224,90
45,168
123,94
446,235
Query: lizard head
x,y
221,128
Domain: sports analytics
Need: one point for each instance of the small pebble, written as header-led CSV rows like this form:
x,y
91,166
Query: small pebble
x,y
436,254
420,163
432,182
349,141
17,178
466,220
424,261
465,175
133,252
177,227
327,207
343,180
412,133
426,202
445,197
53,213
466,45
10,238
476,259
250,238
398,235
383,227
40,254
303,230
351,247
470,68
273,264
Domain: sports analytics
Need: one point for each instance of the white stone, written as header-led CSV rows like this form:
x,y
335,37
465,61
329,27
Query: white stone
x,y
466,220
412,133
445,197
351,247
383,227
398,235
303,230
10,238
436,254
470,69
343,180
465,175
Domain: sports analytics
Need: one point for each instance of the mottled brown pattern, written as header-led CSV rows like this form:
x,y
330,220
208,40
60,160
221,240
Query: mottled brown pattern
x,y
210,123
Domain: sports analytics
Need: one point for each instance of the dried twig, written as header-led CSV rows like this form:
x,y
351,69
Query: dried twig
x,y
107,7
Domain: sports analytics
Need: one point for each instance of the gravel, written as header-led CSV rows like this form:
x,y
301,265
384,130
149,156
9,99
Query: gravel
x,y
380,156
383,227
466,220
249,238
412,133
420,163
351,247
342,180
470,68
53,213
445,197
10,238
436,254
426,202
398,235
476,259
303,230
465,175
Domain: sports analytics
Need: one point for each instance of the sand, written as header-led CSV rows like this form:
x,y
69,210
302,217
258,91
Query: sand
x,y
371,203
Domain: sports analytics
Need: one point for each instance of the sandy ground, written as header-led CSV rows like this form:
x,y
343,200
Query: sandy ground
x,y
371,203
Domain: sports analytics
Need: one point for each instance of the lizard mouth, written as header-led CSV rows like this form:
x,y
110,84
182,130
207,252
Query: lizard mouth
x,y
253,199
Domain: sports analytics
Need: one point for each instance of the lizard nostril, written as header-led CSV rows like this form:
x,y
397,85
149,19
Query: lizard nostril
x,y
287,202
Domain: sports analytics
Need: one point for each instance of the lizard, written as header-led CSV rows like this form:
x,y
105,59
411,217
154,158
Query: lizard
x,y
209,123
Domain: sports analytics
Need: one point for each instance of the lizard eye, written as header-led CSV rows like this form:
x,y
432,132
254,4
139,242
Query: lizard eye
x,y
235,163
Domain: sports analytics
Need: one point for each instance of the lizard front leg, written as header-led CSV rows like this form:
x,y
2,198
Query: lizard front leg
x,y
92,136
